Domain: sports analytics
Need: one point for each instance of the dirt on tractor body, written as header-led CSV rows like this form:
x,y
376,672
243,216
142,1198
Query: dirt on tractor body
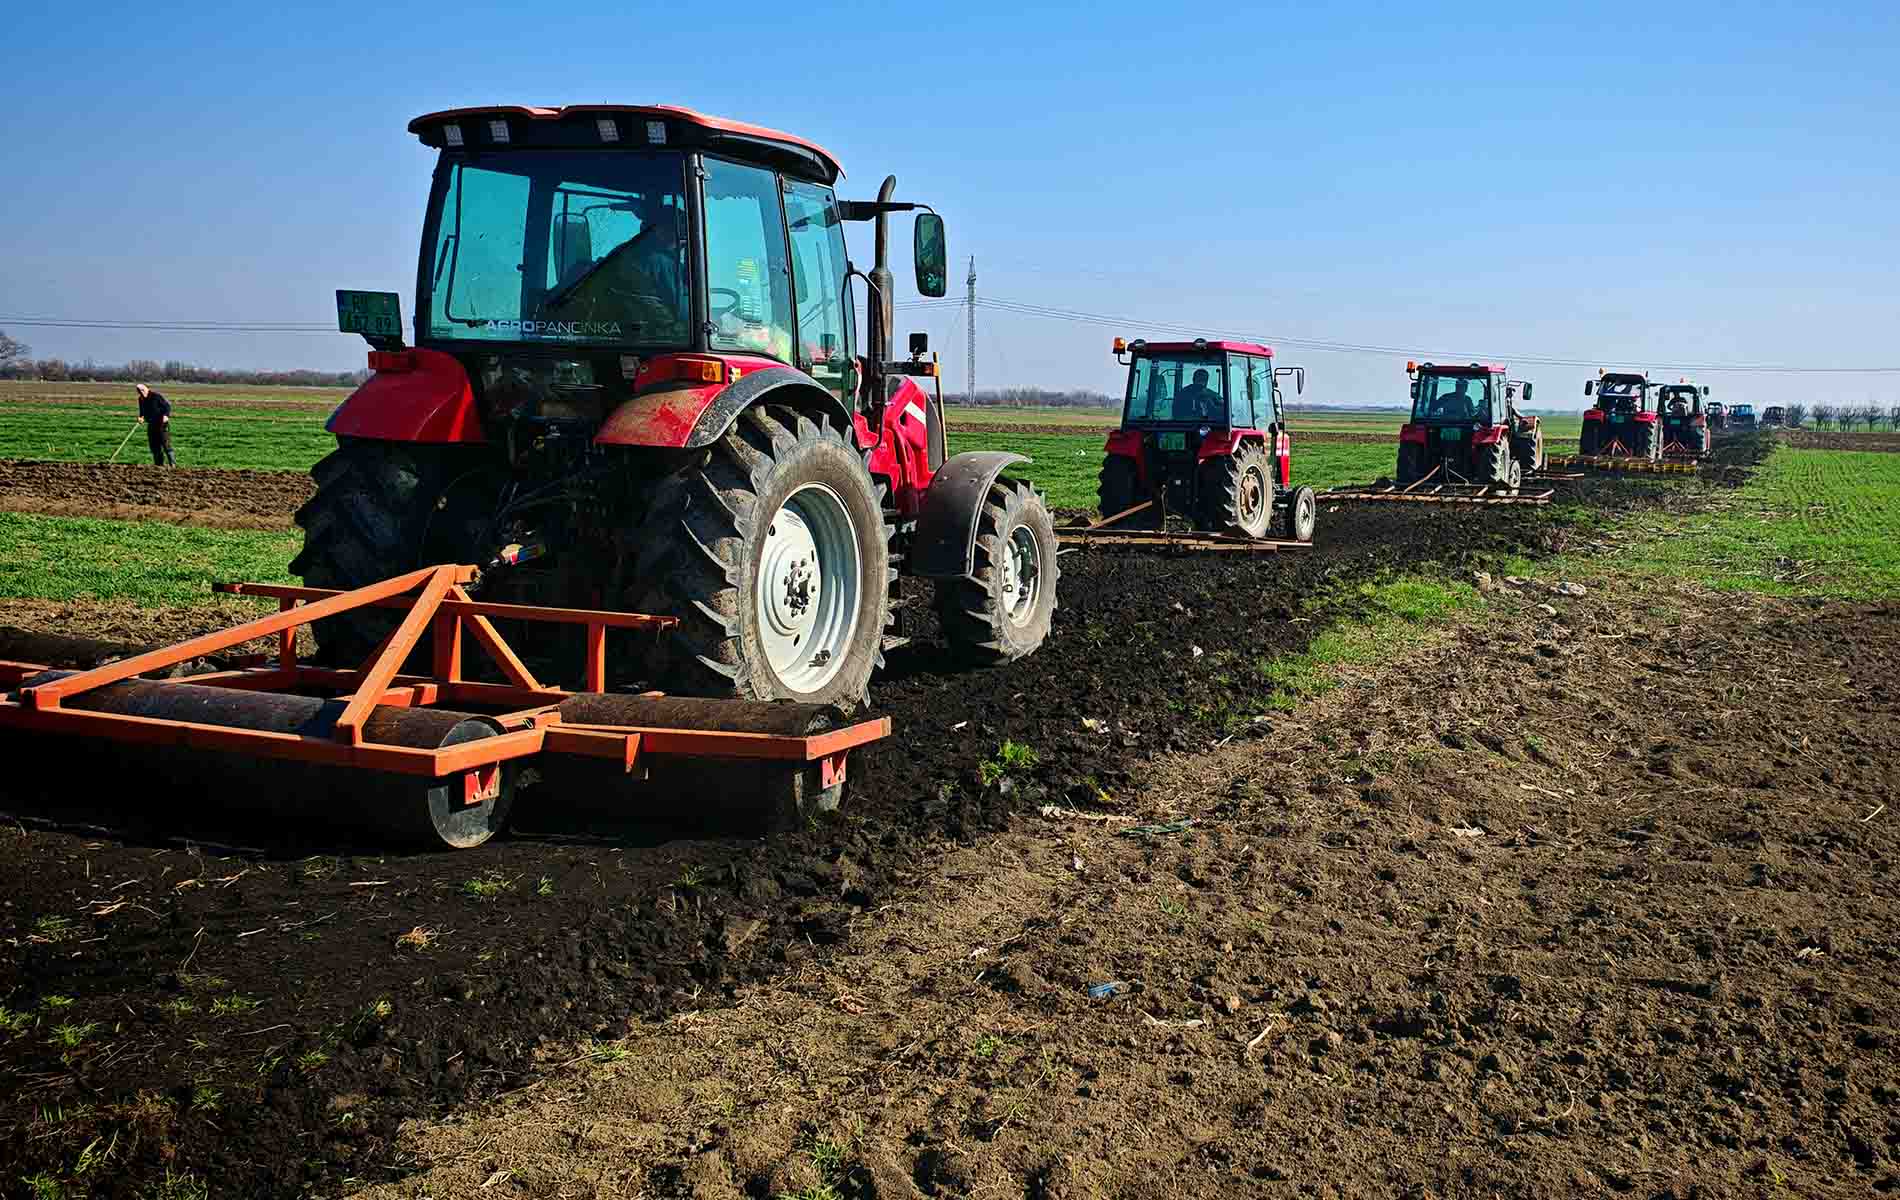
x,y
204,496
176,972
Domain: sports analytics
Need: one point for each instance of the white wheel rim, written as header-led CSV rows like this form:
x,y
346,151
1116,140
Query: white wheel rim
x,y
1022,574
807,597
1252,498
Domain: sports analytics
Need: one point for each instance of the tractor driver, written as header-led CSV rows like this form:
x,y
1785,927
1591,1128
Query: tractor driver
x,y
1457,406
1197,400
639,282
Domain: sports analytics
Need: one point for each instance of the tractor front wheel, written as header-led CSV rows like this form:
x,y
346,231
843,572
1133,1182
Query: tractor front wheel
x,y
772,552
1001,612
1237,492
1120,490
382,508
1298,515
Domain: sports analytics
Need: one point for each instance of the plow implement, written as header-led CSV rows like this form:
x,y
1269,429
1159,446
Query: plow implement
x,y
429,760
1623,462
1104,533
1442,486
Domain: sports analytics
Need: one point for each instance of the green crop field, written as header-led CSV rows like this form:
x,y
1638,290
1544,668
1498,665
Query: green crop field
x,y
73,558
256,439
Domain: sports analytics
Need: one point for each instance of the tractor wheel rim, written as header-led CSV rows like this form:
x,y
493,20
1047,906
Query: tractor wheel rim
x,y
1252,487
1309,509
1022,574
808,598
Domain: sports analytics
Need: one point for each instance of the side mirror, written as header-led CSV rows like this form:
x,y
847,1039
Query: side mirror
x,y
1415,389
1527,395
933,260
919,345
1589,386
1705,391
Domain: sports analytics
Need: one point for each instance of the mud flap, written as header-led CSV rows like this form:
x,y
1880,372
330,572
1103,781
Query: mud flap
x,y
944,546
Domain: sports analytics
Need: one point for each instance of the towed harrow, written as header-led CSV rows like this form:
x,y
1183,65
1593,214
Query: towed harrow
x,y
1449,488
1104,533
1626,462
429,759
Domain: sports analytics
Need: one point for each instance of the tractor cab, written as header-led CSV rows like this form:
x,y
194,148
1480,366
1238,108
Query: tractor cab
x,y
1742,416
1774,416
1465,427
1685,421
1203,434
1624,422
1717,413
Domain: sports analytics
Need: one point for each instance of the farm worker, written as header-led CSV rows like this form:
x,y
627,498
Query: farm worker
x,y
1456,406
1197,399
155,412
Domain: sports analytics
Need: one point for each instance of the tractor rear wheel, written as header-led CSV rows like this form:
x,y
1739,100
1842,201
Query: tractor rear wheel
x,y
772,551
1411,464
1237,492
1003,610
1647,441
1120,490
1588,438
382,508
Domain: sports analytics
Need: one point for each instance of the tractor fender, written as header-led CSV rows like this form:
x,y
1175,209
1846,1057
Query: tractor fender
x,y
692,417
418,395
944,546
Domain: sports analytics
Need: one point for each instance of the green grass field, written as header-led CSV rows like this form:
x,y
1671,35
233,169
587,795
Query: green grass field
x,y
74,558
255,439
1811,522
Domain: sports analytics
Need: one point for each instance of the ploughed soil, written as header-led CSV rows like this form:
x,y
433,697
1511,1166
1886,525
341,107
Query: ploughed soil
x,y
258,1003
206,496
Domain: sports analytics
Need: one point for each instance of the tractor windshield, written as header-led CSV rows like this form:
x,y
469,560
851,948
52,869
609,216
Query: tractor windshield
x,y
1176,387
1622,395
1453,399
1681,401
575,248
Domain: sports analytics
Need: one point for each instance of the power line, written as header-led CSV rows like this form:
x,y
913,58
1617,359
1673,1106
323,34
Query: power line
x,y
1024,308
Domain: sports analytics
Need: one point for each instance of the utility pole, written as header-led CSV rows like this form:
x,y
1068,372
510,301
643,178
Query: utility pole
x,y
969,377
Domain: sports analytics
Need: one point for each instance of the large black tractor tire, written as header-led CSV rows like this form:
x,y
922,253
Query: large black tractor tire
x,y
1119,490
1003,610
1530,451
1411,467
382,508
1237,493
1498,467
1297,515
1646,441
772,551
1589,439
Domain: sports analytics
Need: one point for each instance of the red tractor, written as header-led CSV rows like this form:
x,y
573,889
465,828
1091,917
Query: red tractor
x,y
636,384
1685,421
1465,427
1204,434
1625,423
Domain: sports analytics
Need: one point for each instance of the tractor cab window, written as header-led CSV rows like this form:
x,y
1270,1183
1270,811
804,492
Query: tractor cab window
x,y
1621,395
556,247
818,285
1498,405
1240,407
748,300
1176,387
1681,402
1454,399
1267,404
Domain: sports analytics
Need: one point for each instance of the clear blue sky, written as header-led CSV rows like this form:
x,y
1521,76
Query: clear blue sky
x,y
1635,185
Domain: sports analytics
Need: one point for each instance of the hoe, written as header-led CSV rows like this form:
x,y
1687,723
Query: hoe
x,y
635,403
1203,434
1465,443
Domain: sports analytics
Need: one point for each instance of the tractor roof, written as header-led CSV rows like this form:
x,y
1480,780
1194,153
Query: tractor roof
x,y
1208,344
1462,368
1626,375
628,134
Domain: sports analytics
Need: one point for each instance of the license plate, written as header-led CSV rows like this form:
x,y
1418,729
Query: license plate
x,y
372,314
1451,434
1172,441
1616,418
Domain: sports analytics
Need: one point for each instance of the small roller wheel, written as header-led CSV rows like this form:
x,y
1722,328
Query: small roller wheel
x,y
1298,515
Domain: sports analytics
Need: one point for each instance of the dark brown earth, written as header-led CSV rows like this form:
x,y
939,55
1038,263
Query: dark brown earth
x,y
207,496
1821,439
166,991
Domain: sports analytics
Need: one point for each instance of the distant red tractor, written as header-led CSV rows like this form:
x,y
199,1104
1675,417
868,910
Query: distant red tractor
x,y
1465,428
1625,423
1685,422
1204,435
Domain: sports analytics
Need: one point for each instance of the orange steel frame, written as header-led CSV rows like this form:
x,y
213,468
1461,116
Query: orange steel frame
x,y
435,598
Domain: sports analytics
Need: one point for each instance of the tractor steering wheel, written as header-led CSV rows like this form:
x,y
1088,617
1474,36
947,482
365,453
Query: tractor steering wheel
x,y
729,309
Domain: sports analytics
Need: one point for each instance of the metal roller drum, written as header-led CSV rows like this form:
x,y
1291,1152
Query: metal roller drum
x,y
416,810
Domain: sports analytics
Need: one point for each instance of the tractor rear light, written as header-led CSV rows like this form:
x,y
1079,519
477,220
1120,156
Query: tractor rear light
x,y
498,132
452,135
392,360
699,370
1412,433
684,368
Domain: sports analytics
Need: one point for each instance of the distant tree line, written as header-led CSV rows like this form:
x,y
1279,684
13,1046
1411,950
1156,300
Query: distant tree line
x,y
1029,397
1848,416
17,362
